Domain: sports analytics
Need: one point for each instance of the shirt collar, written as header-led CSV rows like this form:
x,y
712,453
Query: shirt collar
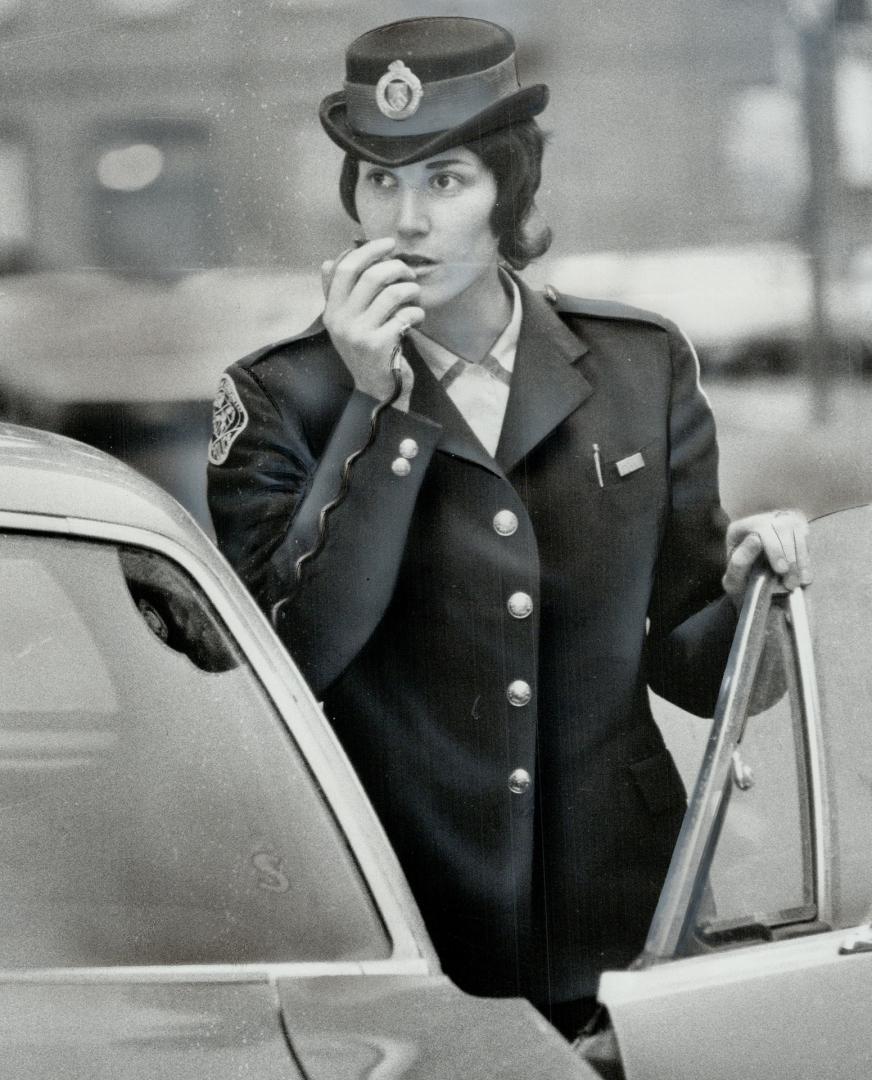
x,y
440,360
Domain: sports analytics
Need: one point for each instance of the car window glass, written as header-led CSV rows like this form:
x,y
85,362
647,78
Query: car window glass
x,y
49,662
761,873
153,808
840,612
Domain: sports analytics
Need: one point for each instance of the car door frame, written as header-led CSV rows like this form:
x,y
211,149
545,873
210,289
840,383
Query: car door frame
x,y
794,1003
682,893
412,952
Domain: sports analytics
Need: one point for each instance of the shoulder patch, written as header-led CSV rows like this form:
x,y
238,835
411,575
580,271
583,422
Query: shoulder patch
x,y
229,420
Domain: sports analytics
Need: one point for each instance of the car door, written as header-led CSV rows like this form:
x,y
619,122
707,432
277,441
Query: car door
x,y
164,845
759,958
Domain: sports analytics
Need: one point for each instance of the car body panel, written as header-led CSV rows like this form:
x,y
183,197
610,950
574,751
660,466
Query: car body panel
x,y
786,1009
132,1030
388,1028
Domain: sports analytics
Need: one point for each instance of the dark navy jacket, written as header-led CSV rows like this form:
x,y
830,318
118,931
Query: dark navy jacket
x,y
401,624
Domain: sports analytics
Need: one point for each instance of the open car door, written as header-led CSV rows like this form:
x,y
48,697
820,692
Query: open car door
x,y
759,957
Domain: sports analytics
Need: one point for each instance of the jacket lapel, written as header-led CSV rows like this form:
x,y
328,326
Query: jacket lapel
x,y
546,387
429,399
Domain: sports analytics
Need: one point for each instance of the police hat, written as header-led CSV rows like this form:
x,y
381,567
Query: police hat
x,y
418,86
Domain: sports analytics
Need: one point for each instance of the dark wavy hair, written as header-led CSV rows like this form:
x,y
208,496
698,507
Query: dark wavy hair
x,y
513,154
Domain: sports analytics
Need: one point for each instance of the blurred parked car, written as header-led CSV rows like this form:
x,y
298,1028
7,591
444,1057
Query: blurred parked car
x,y
746,307
131,366
193,883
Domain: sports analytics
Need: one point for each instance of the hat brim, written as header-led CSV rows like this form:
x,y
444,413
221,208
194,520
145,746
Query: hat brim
x,y
406,149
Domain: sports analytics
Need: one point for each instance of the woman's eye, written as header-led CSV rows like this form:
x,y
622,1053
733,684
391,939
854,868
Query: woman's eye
x,y
445,182
383,180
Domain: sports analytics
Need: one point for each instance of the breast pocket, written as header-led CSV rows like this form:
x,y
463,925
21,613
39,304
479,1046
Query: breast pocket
x,y
625,467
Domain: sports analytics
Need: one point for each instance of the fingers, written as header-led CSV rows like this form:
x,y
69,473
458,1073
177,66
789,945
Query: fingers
x,y
328,269
341,274
391,276
402,320
365,290
389,300
781,537
742,558
371,302
785,543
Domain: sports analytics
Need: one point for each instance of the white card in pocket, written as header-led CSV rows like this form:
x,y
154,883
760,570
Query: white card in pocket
x,y
630,464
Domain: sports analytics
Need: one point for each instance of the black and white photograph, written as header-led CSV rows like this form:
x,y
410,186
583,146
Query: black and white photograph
x,y
435,539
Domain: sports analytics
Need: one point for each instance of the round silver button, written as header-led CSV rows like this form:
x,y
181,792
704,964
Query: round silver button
x,y
520,605
400,467
408,448
519,692
505,522
520,781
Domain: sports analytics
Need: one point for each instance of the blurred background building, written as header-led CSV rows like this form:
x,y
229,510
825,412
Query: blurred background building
x,y
166,192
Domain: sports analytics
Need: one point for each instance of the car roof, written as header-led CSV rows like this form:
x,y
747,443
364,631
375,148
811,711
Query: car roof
x,y
44,473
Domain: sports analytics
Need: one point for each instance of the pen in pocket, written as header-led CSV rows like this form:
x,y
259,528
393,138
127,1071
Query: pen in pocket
x,y
597,464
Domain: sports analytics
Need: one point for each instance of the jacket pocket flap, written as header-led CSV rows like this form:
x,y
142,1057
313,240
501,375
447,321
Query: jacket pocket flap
x,y
659,783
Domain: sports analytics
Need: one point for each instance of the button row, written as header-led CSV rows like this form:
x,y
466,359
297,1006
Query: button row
x,y
408,449
520,605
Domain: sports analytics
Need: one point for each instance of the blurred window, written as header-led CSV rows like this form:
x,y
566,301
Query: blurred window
x,y
854,119
153,807
764,151
15,224
155,200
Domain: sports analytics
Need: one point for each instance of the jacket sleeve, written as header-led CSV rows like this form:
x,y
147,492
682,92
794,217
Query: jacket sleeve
x,y
692,621
266,492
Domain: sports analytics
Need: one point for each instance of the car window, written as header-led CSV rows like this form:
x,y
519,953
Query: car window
x,y
840,612
761,875
153,808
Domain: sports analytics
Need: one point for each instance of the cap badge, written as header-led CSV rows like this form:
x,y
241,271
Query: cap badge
x,y
398,92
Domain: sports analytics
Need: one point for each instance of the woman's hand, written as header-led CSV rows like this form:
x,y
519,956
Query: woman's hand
x,y
781,535
371,302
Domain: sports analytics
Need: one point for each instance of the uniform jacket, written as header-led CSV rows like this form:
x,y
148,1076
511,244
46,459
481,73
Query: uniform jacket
x,y
403,625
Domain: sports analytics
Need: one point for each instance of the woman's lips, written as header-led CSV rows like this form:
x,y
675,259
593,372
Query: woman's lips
x,y
421,264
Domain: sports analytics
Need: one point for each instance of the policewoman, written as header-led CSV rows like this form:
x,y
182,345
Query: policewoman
x,y
531,538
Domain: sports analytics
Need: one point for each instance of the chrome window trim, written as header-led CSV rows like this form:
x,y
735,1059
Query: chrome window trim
x,y
220,973
292,698
700,830
815,755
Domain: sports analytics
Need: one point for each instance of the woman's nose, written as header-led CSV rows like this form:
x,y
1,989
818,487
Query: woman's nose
x,y
412,218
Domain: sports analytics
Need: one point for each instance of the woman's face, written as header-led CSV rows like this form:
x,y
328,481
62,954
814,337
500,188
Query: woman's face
x,y
438,212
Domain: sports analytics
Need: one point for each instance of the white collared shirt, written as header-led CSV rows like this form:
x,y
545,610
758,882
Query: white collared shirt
x,y
479,390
